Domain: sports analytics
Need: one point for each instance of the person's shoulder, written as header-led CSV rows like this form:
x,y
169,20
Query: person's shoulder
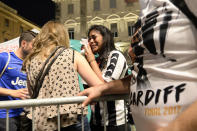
x,y
3,59
118,55
72,51
117,52
68,49
3,55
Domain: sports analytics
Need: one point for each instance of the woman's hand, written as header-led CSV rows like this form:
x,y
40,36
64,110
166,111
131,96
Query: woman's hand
x,y
89,54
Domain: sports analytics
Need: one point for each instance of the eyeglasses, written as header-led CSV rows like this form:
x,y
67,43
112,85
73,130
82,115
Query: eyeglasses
x,y
91,37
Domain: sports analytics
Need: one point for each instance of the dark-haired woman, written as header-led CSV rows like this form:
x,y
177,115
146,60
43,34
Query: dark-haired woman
x,y
110,65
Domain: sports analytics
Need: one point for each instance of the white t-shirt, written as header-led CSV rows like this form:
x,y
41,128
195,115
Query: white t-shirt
x,y
191,4
167,69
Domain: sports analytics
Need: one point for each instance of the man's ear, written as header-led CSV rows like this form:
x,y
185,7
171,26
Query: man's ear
x,y
23,43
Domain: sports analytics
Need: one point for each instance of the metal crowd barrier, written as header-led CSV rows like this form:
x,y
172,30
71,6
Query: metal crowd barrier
x,y
57,101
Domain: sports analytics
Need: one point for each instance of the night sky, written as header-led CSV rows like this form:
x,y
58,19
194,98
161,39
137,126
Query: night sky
x,y
36,11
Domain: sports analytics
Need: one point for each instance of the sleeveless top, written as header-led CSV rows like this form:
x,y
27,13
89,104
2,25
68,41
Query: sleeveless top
x,y
61,81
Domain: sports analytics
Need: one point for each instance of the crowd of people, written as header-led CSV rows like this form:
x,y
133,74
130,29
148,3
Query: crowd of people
x,y
161,92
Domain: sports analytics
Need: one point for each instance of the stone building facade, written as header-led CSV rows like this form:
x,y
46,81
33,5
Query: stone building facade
x,y
79,15
11,24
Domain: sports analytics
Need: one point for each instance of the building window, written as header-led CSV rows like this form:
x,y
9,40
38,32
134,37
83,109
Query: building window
x,y
131,28
112,4
6,22
96,5
57,11
71,33
114,29
129,4
70,8
5,39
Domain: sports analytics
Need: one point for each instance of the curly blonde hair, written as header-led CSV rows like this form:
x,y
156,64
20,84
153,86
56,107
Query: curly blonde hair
x,y
52,34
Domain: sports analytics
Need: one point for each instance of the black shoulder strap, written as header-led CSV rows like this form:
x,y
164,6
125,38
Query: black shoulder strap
x,y
42,74
184,8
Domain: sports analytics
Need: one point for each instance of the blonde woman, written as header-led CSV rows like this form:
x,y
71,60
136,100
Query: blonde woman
x,y
61,79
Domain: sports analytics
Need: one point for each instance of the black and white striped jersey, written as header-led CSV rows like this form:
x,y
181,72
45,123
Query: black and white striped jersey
x,y
116,68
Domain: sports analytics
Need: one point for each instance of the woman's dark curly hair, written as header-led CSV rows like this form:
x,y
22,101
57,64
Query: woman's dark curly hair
x,y
108,40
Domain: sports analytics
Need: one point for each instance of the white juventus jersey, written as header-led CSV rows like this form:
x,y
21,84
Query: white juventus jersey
x,y
116,68
166,82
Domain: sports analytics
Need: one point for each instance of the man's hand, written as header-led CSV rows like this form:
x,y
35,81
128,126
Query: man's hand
x,y
113,87
20,93
91,93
